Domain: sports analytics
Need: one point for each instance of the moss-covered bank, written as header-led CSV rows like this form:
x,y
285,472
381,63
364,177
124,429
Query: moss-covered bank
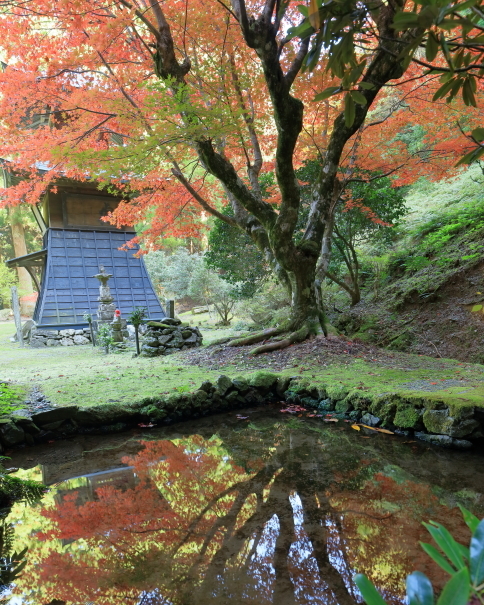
x,y
428,416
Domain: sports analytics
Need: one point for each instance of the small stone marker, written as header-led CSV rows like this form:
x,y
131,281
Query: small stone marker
x,y
16,314
117,328
170,308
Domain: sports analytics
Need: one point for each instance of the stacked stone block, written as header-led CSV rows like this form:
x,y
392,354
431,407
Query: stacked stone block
x,y
60,338
168,336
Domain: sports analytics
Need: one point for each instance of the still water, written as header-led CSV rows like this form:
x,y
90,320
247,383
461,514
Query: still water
x,y
267,509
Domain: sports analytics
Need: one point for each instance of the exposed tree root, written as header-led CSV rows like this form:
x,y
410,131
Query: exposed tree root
x,y
297,336
220,341
280,339
256,337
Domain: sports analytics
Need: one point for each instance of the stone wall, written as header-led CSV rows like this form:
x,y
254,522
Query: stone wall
x,y
168,336
59,338
448,428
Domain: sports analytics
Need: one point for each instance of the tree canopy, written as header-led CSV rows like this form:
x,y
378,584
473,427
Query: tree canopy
x,y
189,106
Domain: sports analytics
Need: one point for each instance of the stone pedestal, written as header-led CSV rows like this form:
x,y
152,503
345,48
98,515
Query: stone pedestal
x,y
118,328
106,308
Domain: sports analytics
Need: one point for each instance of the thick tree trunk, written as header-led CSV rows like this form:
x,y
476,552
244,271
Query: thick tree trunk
x,y
305,304
20,248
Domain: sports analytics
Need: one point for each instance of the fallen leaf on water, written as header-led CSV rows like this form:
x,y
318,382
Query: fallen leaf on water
x,y
356,427
239,417
330,419
364,437
146,426
374,428
409,442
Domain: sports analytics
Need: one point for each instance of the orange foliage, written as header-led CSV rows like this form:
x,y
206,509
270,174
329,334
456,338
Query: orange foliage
x,y
87,69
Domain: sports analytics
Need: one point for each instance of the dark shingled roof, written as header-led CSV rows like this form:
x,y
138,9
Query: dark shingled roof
x,y
69,289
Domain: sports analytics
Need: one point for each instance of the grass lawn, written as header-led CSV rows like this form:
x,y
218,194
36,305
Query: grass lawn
x,y
85,376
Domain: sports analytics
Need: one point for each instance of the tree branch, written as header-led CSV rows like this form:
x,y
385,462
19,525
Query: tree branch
x,y
141,17
374,178
203,203
297,63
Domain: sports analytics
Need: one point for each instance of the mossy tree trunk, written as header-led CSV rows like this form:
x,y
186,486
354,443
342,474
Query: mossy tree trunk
x,y
275,231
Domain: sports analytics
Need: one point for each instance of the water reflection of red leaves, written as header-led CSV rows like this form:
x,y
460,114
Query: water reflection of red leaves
x,y
183,489
384,519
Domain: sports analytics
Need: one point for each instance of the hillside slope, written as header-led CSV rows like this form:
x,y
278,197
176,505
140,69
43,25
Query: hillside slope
x,y
431,300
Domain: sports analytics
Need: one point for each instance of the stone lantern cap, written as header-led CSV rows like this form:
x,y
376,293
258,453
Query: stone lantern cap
x,y
102,276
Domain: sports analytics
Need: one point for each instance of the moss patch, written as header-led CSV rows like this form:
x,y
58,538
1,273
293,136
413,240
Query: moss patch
x,y
406,417
11,397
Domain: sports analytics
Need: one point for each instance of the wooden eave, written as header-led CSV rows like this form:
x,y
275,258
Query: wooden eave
x,y
34,259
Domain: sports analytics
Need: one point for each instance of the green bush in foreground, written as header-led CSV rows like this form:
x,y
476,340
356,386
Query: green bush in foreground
x,y
464,565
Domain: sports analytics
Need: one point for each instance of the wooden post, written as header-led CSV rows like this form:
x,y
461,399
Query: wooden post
x,y
93,337
170,308
16,314
136,337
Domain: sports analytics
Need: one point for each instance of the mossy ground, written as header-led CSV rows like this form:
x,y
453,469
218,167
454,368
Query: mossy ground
x,y
84,376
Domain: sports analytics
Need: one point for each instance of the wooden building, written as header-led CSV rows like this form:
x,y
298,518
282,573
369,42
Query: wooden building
x,y
76,242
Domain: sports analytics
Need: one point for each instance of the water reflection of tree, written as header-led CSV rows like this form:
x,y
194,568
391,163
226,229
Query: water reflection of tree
x,y
277,516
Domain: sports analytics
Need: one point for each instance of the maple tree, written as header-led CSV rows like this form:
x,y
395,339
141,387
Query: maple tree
x,y
185,106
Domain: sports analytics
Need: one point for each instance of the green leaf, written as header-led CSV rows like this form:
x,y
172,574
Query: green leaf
x,y
478,135
19,568
357,71
432,47
443,90
468,94
313,15
366,85
464,551
419,589
476,552
368,591
327,92
405,20
445,50
303,30
427,16
446,543
358,97
457,589
470,520
282,8
472,156
434,554
349,111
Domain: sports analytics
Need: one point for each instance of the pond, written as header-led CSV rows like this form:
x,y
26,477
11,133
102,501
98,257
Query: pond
x,y
255,507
